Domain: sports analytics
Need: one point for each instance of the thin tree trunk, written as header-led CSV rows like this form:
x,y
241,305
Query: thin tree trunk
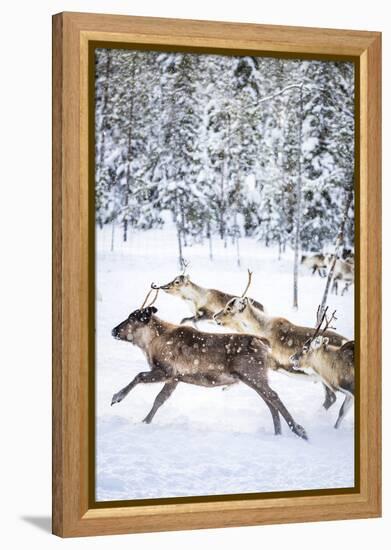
x,y
236,238
112,235
298,208
177,214
183,225
180,251
338,243
129,147
222,202
101,130
209,235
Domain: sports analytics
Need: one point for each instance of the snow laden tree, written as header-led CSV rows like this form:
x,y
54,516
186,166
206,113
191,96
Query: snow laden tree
x,y
328,152
216,146
179,152
124,159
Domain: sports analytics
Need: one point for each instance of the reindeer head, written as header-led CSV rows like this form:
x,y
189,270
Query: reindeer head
x,y
137,320
316,342
177,285
232,312
309,347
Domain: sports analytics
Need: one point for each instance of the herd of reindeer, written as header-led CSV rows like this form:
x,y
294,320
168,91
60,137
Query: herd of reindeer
x,y
258,342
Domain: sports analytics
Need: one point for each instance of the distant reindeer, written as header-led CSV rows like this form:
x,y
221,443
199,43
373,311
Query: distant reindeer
x,y
316,262
205,301
347,254
344,273
333,365
183,354
285,337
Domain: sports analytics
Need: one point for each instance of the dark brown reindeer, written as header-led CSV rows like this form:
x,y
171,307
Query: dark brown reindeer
x,y
333,365
285,337
204,301
182,354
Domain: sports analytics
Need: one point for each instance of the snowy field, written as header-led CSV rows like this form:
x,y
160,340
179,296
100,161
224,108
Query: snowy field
x,y
206,441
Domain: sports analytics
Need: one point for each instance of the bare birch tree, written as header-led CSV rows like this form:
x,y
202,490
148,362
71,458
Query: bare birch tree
x,y
338,244
298,205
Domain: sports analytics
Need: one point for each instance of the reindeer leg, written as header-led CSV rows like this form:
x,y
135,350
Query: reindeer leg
x,y
330,397
345,289
161,398
344,409
197,317
149,377
261,386
188,319
275,417
296,428
274,398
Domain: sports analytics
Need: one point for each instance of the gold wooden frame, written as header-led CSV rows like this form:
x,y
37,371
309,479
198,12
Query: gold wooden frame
x,y
72,35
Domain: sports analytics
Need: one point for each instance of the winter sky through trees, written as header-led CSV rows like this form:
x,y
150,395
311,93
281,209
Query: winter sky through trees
x,y
223,146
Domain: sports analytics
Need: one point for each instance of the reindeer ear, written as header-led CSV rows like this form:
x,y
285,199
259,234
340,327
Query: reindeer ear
x,y
315,344
146,314
242,304
186,279
150,310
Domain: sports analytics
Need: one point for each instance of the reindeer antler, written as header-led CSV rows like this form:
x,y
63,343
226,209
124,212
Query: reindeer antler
x,y
185,265
320,322
156,295
329,321
250,273
156,289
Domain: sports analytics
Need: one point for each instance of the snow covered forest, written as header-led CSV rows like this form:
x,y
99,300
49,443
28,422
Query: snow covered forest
x,y
232,147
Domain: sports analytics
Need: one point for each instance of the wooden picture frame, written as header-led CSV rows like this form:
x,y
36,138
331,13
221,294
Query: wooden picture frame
x,y
73,34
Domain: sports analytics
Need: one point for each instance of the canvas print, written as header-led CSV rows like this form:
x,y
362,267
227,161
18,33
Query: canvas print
x,y
224,274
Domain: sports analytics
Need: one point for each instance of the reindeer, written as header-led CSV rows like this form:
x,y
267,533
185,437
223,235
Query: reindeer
x,y
347,254
183,354
316,262
344,272
285,337
205,301
333,365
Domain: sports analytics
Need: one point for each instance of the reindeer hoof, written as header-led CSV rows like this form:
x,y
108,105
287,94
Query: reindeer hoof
x,y
147,420
117,398
300,431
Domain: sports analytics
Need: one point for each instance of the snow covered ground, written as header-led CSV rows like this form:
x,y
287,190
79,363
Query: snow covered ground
x,y
206,441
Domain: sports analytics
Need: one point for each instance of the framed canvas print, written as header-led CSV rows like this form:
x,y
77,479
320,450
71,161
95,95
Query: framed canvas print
x,y
216,350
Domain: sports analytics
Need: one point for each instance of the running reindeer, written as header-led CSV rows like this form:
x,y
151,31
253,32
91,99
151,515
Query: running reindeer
x,y
333,365
204,301
183,354
316,262
285,338
344,273
343,270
